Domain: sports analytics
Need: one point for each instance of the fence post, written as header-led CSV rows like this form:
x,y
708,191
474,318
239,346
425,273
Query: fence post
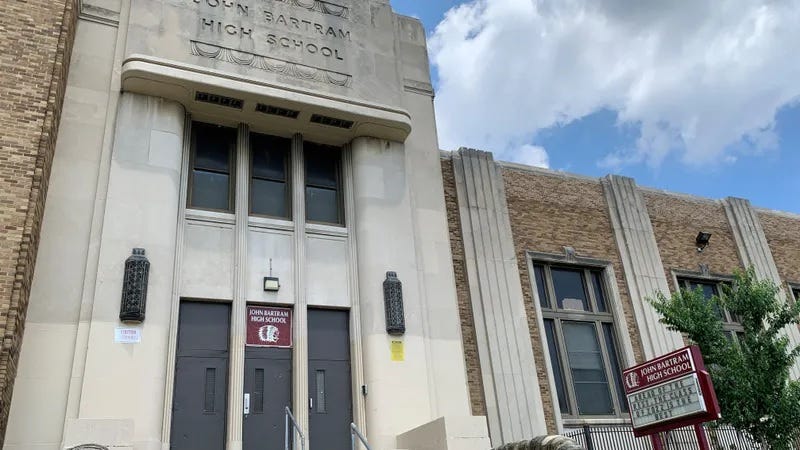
x,y
587,433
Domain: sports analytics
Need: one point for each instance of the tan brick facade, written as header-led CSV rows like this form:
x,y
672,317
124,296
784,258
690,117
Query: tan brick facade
x,y
541,223
35,44
676,221
783,234
471,358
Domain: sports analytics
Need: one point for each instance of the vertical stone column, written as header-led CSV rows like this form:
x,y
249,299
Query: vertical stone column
x,y
356,348
751,242
300,330
641,262
398,396
510,385
172,346
144,203
238,331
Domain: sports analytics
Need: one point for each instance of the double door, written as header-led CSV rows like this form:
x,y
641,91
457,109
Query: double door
x,y
201,383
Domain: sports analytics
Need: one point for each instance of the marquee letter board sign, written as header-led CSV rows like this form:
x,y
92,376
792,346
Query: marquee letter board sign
x,y
669,392
268,326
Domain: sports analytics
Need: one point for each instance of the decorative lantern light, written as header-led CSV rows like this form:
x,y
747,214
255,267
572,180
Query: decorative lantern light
x,y
134,287
393,304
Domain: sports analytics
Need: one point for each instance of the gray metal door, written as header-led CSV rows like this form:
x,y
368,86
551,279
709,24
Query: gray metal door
x,y
330,402
268,388
201,377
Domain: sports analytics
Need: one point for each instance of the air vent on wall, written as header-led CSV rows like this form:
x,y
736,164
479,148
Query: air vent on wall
x,y
277,111
220,100
332,121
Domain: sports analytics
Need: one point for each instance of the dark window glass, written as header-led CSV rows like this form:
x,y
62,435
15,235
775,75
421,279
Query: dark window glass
x,y
210,190
322,205
257,406
269,198
555,361
588,371
570,293
210,390
322,406
323,184
540,286
611,350
213,149
269,187
599,293
709,290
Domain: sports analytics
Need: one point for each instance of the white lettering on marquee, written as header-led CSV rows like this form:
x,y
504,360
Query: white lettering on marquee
x,y
672,400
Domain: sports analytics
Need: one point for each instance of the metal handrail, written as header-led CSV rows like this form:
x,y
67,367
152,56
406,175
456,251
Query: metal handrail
x,y
353,433
296,428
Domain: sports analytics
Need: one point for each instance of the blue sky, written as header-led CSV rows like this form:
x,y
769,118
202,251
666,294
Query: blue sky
x,y
725,123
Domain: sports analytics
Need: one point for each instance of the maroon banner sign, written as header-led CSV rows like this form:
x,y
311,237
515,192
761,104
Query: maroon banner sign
x,y
660,370
670,392
268,326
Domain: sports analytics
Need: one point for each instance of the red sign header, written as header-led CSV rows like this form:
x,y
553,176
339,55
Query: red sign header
x,y
669,392
268,326
660,370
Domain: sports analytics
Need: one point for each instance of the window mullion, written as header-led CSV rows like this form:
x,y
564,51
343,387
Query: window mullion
x,y
549,288
566,369
588,286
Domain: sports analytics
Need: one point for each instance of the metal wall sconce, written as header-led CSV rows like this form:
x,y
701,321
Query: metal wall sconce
x,y
393,304
134,287
702,240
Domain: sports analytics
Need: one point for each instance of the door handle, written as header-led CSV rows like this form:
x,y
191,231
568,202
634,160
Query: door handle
x,y
310,402
246,403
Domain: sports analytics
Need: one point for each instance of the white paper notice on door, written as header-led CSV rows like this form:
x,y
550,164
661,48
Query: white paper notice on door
x,y
126,335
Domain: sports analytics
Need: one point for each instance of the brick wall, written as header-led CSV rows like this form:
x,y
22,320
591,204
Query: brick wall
x,y
783,235
35,43
471,358
676,221
548,212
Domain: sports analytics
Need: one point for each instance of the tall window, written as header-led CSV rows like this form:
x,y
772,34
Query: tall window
x,y
323,184
270,191
795,292
730,323
213,167
213,150
579,327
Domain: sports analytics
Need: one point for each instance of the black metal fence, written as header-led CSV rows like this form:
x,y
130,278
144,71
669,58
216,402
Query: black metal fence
x,y
620,437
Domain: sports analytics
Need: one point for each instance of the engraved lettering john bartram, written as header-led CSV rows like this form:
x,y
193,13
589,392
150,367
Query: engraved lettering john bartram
x,y
277,22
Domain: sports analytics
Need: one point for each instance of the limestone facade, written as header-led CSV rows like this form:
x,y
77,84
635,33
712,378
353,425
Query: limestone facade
x,y
348,74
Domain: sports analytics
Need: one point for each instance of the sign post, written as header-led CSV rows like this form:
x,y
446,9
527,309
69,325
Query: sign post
x,y
669,392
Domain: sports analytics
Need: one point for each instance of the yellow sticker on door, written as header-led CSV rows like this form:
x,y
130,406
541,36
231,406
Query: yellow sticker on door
x,y
398,351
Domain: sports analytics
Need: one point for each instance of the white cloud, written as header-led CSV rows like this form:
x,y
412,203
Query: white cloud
x,y
531,155
701,79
